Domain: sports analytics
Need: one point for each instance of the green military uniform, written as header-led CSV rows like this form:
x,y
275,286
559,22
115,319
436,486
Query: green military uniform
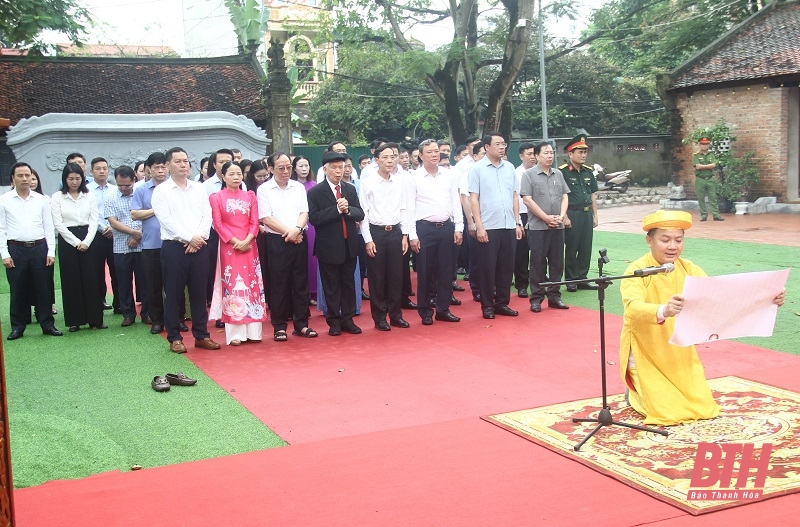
x,y
705,185
578,238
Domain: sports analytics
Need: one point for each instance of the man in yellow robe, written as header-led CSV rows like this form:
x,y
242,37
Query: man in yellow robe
x,y
667,383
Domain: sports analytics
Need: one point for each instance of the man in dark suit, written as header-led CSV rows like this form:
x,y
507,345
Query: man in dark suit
x,y
333,209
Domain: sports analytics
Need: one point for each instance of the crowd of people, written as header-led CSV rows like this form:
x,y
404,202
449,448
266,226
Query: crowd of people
x,y
244,240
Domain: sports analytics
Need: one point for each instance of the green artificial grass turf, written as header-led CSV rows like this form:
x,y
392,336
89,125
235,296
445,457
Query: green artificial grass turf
x,y
716,257
82,404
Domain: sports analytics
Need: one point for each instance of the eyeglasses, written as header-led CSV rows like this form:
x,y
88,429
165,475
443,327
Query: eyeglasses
x,y
499,144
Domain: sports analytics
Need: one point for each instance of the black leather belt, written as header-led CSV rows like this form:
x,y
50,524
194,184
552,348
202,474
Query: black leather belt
x,y
584,209
34,243
385,227
437,224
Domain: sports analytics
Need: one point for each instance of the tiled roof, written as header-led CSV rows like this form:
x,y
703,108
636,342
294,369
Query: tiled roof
x,y
765,46
141,85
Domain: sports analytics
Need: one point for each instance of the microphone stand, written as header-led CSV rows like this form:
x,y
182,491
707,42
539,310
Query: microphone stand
x,y
604,418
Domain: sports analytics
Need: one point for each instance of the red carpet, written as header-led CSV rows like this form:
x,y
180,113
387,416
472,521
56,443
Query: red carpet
x,y
395,438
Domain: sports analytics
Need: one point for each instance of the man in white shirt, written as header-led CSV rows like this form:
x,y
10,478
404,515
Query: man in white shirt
x,y
437,226
103,191
283,210
522,256
184,212
28,248
384,200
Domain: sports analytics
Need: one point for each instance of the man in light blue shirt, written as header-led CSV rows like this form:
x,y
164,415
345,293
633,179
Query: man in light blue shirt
x,y
104,191
495,211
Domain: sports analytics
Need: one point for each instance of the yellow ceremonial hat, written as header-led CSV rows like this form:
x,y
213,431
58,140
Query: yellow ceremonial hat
x,y
667,219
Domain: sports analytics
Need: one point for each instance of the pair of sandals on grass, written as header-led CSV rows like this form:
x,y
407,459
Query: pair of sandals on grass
x,y
307,332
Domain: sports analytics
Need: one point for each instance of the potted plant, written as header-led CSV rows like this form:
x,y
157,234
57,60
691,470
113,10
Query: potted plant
x,y
740,175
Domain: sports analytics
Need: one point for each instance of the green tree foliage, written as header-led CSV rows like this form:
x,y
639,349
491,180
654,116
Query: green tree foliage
x,y
655,36
249,18
23,21
372,93
585,91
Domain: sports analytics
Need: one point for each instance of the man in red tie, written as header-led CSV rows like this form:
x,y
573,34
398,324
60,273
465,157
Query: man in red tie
x,y
333,209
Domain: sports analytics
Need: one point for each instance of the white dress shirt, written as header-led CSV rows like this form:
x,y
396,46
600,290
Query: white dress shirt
x,y
25,220
523,209
385,202
462,169
213,185
285,205
69,212
182,213
434,198
101,195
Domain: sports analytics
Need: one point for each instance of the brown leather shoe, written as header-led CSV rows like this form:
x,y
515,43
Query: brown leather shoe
x,y
176,346
206,344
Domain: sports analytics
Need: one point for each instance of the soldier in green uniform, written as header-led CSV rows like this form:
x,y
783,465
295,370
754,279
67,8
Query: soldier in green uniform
x,y
704,164
581,213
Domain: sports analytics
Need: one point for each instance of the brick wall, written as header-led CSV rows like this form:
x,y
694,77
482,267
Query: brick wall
x,y
758,115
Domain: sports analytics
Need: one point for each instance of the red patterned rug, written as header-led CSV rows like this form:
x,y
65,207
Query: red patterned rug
x,y
663,467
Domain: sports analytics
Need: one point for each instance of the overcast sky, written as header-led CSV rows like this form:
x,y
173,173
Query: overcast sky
x,y
160,22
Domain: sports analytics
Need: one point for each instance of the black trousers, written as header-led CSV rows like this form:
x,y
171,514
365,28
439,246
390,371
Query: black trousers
x,y
140,291
385,274
340,290
126,265
464,249
104,252
522,259
474,264
496,259
408,291
435,266
578,245
263,258
79,283
213,250
288,277
180,270
547,262
151,265
30,273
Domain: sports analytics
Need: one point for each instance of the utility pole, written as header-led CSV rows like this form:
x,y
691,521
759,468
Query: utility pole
x,y
542,82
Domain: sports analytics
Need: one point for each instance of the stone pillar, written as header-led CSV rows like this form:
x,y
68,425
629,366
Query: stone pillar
x,y
277,91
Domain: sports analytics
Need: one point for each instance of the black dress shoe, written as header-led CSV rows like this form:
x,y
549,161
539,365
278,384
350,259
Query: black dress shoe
x,y
219,324
408,304
127,322
52,331
427,321
505,311
14,335
117,311
155,329
466,277
432,302
364,295
447,316
351,328
454,301
334,332
536,307
73,329
557,304
106,307
382,326
719,218
488,312
589,286
572,288
461,270
147,320
522,293
457,287
183,327
476,297
399,323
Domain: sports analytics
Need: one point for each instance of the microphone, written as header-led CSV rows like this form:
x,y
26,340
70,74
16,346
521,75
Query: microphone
x,y
647,271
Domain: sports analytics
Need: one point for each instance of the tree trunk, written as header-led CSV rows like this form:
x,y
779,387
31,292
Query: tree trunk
x,y
520,14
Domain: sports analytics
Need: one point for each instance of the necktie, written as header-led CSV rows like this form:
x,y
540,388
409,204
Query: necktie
x,y
338,197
